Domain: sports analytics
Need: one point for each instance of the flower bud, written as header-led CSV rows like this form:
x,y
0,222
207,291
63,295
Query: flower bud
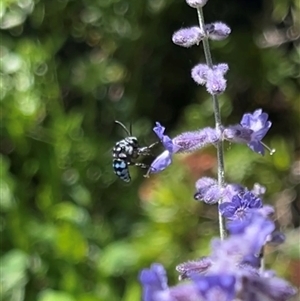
x,y
187,37
196,3
217,31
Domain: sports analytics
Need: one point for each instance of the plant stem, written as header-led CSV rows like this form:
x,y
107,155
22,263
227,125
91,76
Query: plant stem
x,y
262,260
218,123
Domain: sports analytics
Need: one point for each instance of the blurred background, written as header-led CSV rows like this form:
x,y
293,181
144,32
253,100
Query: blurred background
x,y
70,229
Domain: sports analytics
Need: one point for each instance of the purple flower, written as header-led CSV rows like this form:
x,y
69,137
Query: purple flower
x,y
241,248
196,3
240,206
164,159
187,37
213,77
231,190
266,210
228,254
153,280
258,122
221,68
276,238
259,288
155,288
238,256
252,130
166,141
208,190
217,31
181,292
185,142
160,163
255,228
216,287
247,270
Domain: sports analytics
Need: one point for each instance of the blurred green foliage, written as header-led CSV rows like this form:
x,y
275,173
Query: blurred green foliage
x,y
70,230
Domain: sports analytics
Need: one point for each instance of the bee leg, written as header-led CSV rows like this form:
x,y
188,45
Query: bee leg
x,y
137,164
153,144
141,165
146,150
147,174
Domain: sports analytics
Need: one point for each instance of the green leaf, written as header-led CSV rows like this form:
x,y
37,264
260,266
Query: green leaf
x,y
13,272
52,295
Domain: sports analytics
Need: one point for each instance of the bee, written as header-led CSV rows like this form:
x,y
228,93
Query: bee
x,y
126,151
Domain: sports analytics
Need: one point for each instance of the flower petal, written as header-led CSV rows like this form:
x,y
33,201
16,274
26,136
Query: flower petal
x,y
161,162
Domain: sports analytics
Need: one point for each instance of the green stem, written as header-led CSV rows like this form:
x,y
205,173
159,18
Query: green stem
x,y
262,260
218,123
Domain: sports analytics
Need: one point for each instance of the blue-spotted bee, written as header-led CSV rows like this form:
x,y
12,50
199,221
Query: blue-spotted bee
x,y
126,151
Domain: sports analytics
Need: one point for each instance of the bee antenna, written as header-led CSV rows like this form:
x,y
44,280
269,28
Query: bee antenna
x,y
124,127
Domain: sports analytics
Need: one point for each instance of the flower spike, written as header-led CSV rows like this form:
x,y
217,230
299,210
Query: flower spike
x,y
234,270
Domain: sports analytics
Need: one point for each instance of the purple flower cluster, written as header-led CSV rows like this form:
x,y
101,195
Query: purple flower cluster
x,y
232,271
183,143
251,131
212,78
189,36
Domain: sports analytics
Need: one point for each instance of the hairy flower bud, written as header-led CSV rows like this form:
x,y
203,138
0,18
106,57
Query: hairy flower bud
x,y
196,3
191,141
258,189
216,83
213,78
199,73
187,37
221,68
199,266
208,190
217,31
